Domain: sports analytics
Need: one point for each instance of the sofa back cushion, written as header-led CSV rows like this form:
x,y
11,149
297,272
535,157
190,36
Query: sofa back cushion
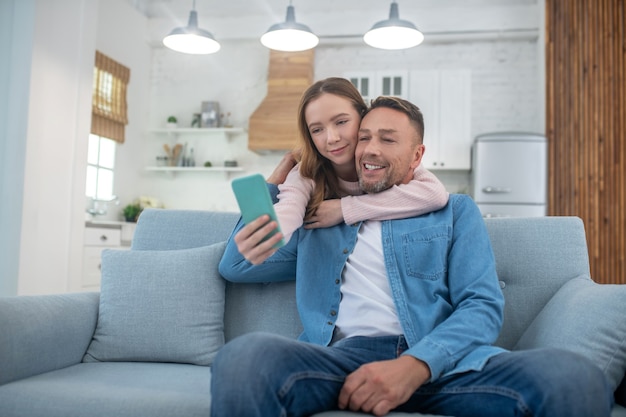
x,y
160,229
534,258
261,307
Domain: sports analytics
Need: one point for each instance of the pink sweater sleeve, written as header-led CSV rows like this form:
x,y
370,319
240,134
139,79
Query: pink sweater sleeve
x,y
293,197
423,194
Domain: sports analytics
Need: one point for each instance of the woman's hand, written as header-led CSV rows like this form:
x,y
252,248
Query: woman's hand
x,y
327,214
249,240
283,168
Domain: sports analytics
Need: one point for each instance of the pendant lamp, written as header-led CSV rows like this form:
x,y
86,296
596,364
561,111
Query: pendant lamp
x,y
393,33
191,39
289,36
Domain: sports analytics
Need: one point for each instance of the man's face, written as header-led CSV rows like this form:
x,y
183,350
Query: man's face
x,y
388,150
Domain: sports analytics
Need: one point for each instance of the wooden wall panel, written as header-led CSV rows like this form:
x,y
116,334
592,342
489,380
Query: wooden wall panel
x,y
586,129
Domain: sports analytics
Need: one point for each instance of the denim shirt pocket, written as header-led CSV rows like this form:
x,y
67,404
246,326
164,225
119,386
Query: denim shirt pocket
x,y
425,252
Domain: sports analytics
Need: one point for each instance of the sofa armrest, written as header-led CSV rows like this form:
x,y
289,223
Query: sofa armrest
x,y
44,332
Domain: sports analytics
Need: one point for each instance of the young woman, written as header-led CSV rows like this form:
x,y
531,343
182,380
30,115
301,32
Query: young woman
x,y
323,188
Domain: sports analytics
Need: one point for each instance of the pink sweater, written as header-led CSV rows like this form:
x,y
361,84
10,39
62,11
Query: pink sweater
x,y
423,194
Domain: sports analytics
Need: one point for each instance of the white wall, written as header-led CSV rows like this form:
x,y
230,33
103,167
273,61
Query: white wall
x,y
66,34
237,78
58,122
16,35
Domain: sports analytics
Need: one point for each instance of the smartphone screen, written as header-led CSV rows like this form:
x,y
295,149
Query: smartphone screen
x,y
254,200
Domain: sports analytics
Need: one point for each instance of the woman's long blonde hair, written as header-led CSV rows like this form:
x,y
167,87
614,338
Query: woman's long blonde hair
x,y
312,164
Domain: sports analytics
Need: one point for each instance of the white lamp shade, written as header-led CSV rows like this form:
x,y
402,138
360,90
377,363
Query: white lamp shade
x,y
393,37
191,39
191,43
289,40
289,36
393,33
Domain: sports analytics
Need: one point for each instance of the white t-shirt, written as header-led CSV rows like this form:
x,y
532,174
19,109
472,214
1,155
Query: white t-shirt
x,y
367,307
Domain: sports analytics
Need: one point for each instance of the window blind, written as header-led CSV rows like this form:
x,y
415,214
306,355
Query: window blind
x,y
109,108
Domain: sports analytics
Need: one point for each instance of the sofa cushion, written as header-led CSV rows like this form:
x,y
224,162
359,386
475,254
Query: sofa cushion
x,y
160,306
120,389
586,318
167,229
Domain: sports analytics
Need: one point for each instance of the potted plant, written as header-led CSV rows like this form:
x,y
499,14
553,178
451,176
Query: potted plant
x,y
131,212
172,122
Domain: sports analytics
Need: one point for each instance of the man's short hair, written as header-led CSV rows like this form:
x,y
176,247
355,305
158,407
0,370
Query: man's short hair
x,y
411,110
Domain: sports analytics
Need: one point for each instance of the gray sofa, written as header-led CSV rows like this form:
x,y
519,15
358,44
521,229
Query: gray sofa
x,y
79,355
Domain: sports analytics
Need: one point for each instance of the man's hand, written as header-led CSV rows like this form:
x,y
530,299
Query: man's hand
x,y
282,169
249,240
327,214
379,387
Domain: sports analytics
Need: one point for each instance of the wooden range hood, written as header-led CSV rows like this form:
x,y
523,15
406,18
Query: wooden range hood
x,y
274,125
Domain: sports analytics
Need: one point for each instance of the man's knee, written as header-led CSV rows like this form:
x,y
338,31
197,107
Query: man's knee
x,y
248,349
567,378
571,369
255,352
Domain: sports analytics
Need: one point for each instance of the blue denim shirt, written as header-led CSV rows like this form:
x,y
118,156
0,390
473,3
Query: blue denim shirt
x,y
441,272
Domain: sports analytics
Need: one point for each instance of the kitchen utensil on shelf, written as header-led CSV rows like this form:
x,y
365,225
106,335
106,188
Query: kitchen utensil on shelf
x,y
176,153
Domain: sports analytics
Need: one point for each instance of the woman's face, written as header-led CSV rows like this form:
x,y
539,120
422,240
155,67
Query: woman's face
x,y
333,124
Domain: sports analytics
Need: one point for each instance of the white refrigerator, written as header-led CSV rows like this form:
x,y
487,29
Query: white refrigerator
x,y
509,174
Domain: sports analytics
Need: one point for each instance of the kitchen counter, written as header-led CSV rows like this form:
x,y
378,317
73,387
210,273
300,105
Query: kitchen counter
x,y
127,228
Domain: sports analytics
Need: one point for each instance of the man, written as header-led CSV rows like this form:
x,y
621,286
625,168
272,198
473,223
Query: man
x,y
397,315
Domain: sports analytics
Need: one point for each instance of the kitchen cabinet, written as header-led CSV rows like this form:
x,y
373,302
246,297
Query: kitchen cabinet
x,y
201,141
444,96
372,84
98,236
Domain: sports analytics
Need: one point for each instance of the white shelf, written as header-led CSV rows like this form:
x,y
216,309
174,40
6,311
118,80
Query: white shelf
x,y
200,131
203,135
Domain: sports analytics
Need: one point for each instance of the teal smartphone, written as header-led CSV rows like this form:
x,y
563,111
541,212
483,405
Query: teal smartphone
x,y
254,200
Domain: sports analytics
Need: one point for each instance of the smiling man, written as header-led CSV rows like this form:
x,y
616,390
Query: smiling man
x,y
397,314
384,157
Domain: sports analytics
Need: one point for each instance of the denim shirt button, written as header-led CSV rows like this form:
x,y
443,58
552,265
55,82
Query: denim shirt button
x,y
345,251
337,281
330,323
333,313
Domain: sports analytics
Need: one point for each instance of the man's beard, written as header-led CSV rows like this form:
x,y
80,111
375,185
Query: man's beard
x,y
375,187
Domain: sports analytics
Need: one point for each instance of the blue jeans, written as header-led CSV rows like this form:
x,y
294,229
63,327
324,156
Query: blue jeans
x,y
266,375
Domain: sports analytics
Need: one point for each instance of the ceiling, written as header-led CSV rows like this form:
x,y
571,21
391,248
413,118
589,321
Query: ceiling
x,y
230,8
340,19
